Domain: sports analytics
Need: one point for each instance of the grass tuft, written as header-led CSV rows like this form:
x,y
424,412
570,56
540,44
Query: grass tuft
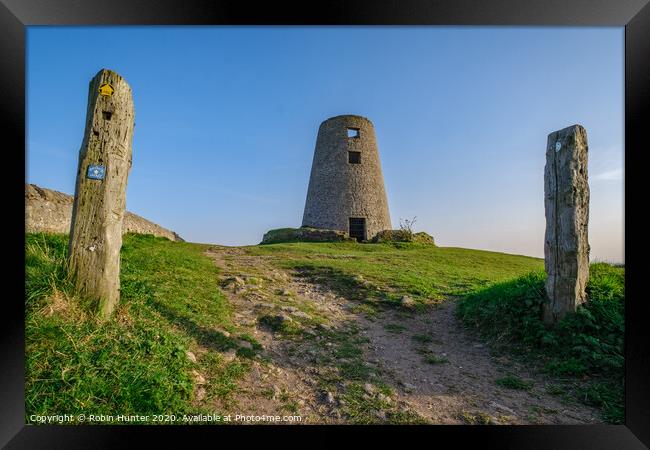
x,y
433,359
514,382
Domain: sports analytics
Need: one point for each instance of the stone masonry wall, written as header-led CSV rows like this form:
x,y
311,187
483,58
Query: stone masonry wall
x,y
338,189
51,211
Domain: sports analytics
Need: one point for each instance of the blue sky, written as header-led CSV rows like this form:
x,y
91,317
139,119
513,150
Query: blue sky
x,y
227,117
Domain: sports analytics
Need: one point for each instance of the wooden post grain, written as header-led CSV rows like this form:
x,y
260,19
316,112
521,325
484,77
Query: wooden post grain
x,y
100,192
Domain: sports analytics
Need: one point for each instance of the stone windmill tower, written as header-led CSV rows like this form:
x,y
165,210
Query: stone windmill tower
x,y
346,186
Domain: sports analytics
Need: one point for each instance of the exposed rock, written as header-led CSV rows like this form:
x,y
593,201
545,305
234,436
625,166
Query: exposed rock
x,y
384,398
381,415
502,407
262,305
248,322
285,318
566,199
234,282
407,302
329,398
301,314
190,356
276,392
50,211
370,390
198,378
408,387
245,344
252,295
229,356
275,322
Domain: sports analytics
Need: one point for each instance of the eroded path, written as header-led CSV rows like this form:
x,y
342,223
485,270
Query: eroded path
x,y
333,359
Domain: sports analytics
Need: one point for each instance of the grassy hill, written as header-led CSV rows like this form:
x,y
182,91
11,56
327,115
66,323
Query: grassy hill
x,y
172,304
136,363
426,272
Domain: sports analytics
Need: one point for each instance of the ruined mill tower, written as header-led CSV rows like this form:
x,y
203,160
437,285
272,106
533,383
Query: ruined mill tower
x,y
346,186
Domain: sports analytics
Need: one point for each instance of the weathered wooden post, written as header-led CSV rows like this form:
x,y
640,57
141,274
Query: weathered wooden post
x,y
566,198
100,192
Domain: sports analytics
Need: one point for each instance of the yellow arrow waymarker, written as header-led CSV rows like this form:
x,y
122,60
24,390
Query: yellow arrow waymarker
x,y
106,89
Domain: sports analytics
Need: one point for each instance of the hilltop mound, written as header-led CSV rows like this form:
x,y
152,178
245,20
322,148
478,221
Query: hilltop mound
x,y
327,332
51,212
304,234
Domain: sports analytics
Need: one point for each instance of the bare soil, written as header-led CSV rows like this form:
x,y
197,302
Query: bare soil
x,y
419,365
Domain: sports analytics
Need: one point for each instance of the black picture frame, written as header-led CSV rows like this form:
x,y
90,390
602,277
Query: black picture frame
x,y
634,15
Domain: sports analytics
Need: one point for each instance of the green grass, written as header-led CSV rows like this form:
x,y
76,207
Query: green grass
x,y
513,382
362,408
585,350
343,354
433,359
395,328
280,324
390,270
422,338
474,418
136,362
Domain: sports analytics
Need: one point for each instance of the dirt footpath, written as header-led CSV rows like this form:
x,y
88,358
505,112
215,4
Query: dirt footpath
x,y
329,359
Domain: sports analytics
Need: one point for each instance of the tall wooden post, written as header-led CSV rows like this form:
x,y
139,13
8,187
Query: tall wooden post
x,y
100,192
566,195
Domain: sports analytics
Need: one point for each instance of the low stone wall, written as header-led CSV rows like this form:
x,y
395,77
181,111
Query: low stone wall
x,y
304,234
403,236
51,212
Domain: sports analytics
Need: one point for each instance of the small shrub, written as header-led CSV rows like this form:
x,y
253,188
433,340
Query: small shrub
x,y
433,359
514,382
406,227
404,234
422,338
279,324
394,328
